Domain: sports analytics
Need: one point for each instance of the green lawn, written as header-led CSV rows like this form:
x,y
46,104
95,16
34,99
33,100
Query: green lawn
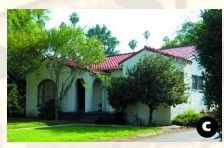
x,y
14,123
73,133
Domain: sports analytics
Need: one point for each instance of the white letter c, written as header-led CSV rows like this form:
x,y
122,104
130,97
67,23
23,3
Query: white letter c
x,y
204,126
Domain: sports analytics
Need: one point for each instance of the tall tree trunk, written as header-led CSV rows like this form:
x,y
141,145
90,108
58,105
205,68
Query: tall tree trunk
x,y
150,116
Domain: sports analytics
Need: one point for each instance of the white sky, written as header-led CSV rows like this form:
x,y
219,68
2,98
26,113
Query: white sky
x,y
128,24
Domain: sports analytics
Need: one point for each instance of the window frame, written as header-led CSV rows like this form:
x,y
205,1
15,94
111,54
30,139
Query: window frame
x,y
198,80
41,92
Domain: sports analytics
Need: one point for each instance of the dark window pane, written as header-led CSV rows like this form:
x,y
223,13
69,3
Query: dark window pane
x,y
46,91
194,82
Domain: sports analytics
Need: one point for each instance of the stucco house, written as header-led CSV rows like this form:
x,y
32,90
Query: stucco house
x,y
81,99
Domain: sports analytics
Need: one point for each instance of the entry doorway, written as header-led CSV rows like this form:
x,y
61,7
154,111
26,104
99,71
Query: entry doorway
x,y
81,95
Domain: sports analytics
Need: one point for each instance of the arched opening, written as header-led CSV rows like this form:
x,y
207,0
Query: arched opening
x,y
97,95
46,92
80,95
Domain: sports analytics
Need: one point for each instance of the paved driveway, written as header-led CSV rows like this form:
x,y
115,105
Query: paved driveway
x,y
185,136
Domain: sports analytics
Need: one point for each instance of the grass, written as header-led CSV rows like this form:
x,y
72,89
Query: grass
x,y
73,133
15,123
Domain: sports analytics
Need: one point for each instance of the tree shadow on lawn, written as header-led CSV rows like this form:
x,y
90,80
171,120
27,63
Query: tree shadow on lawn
x,y
32,122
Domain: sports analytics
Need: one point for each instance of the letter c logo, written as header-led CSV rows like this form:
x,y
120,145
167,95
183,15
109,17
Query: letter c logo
x,y
204,126
207,127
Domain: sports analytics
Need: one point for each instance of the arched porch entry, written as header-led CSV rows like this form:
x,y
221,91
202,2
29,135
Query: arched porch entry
x,y
80,95
97,95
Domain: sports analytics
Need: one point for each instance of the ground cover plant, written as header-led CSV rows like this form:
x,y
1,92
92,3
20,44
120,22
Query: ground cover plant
x,y
189,118
72,133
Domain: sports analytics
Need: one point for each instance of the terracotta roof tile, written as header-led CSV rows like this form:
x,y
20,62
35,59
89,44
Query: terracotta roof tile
x,y
113,62
183,51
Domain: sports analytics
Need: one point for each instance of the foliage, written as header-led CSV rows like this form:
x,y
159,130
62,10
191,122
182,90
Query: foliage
x,y
189,118
155,81
209,48
146,35
47,111
119,99
184,36
109,42
15,106
26,39
74,18
76,133
69,47
132,44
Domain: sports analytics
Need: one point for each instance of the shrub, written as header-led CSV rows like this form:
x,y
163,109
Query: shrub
x,y
15,106
189,118
47,111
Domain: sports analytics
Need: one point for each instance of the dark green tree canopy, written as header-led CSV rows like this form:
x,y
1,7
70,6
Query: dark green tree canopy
x,y
132,44
109,42
74,18
209,48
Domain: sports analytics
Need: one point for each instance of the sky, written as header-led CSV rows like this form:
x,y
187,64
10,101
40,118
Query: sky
x,y
128,24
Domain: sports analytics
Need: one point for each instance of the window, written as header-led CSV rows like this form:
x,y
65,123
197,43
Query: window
x,y
197,82
46,91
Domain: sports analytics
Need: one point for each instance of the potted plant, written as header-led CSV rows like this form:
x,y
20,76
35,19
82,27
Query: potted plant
x,y
100,107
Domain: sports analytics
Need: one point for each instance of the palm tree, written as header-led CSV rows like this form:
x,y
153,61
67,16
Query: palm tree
x,y
132,44
74,18
146,35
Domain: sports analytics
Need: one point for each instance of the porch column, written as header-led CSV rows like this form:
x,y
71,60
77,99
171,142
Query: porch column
x,y
88,94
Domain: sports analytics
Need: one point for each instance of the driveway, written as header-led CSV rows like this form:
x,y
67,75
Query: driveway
x,y
185,136
171,133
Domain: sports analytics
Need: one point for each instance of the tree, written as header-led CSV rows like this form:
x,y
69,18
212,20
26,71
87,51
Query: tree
x,y
146,35
132,44
156,81
184,36
109,42
25,35
166,39
74,18
26,40
69,47
119,99
209,48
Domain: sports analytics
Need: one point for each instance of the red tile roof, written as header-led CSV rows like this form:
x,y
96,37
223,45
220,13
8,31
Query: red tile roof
x,y
183,51
113,62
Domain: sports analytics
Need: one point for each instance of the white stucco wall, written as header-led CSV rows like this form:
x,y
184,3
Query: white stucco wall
x,y
195,100
161,115
69,103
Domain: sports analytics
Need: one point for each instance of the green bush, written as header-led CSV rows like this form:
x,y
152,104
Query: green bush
x,y
15,106
47,111
189,118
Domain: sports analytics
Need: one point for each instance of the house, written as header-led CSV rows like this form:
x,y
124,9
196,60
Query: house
x,y
87,99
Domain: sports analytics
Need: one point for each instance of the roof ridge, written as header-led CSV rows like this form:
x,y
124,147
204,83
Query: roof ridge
x,y
177,46
121,54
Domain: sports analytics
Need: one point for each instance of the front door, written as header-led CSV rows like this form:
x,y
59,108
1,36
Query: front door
x,y
80,95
